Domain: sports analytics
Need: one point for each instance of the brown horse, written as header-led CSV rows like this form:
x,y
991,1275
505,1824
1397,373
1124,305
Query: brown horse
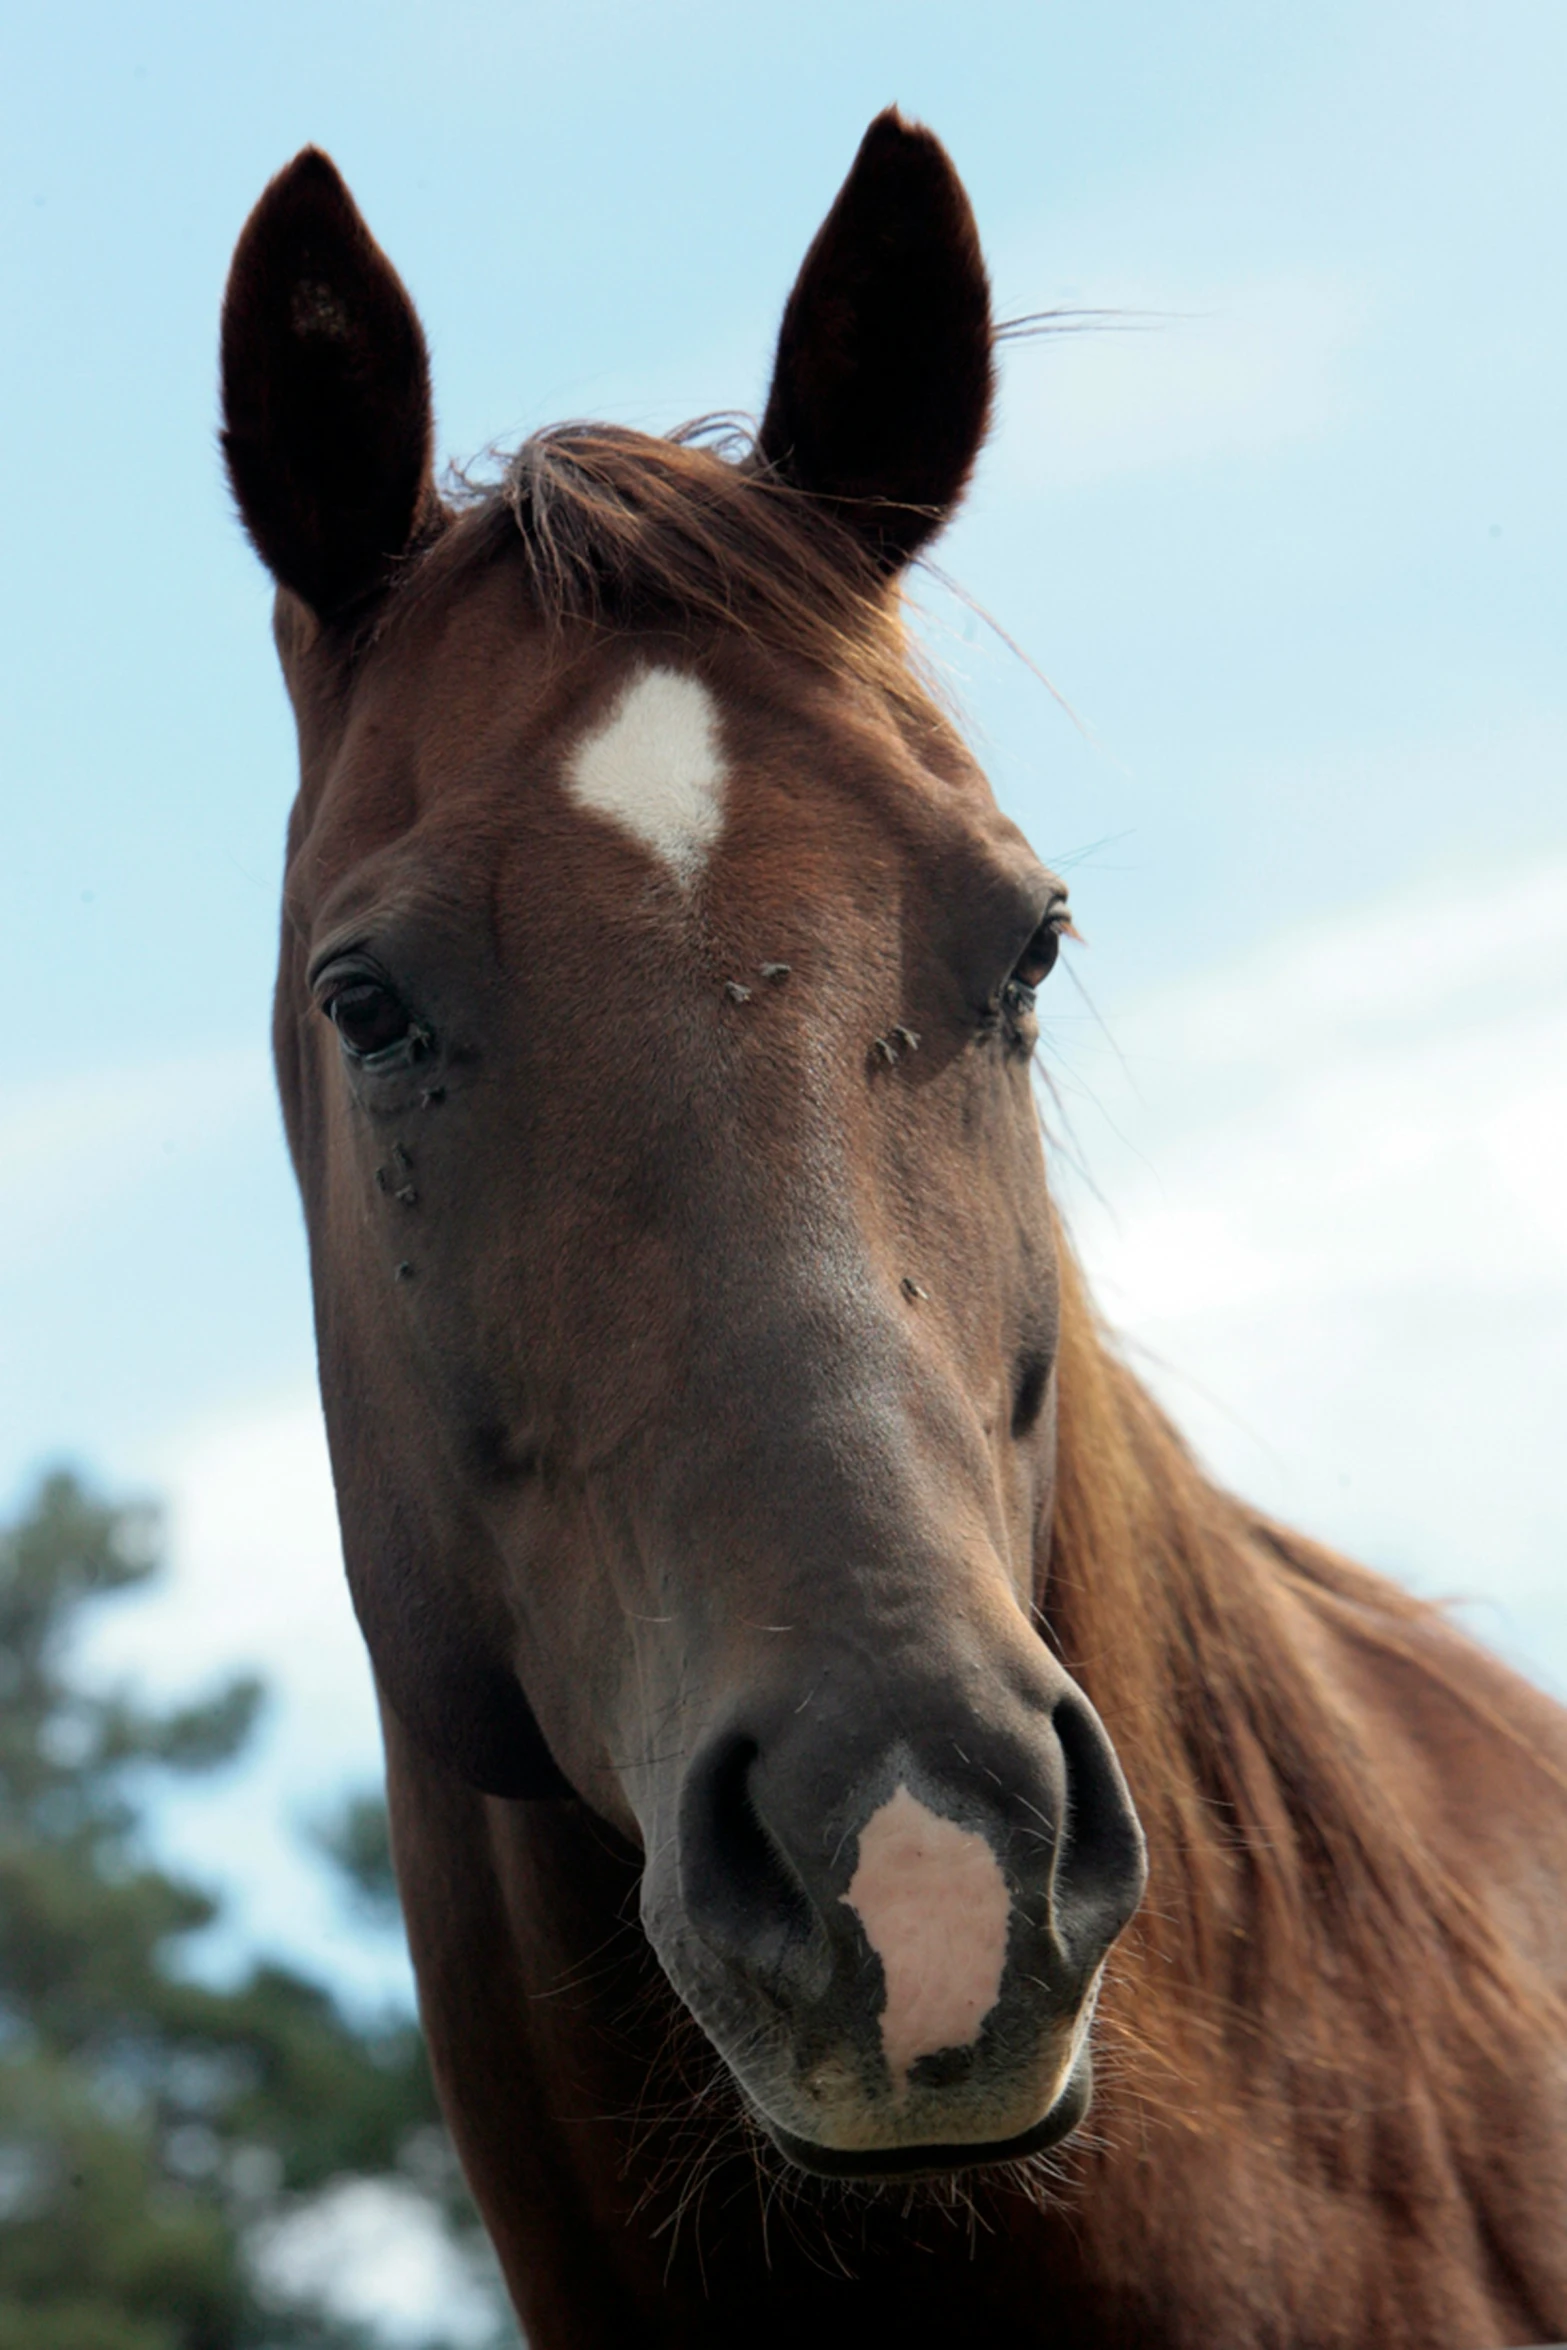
x,y
779,1590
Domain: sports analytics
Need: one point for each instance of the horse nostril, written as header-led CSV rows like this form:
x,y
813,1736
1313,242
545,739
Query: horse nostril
x,y
1029,1394
739,1890
1101,1859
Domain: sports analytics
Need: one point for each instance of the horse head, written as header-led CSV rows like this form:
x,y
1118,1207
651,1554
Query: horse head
x,y
654,1024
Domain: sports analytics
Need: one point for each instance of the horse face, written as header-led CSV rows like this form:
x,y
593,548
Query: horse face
x,y
653,1027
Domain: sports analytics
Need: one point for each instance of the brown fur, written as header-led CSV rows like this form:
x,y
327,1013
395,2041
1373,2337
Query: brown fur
x,y
645,1352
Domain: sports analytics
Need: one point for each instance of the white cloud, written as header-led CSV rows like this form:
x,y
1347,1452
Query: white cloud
x,y
71,1146
1181,375
256,1583
257,1575
374,2253
1334,1215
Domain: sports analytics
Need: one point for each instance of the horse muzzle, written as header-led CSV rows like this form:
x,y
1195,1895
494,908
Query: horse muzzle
x,y
890,1915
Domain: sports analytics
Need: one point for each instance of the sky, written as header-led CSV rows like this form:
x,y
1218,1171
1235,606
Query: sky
x,y
1285,536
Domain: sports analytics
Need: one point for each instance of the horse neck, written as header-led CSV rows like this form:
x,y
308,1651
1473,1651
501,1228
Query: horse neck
x,y
1240,1671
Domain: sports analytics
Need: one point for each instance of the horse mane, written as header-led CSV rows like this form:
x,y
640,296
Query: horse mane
x,y
1298,1913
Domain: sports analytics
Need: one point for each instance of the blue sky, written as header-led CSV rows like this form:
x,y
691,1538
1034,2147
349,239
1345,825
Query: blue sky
x,y
1289,542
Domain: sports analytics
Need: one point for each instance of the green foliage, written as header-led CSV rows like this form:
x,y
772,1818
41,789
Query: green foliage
x,y
149,2123
357,1839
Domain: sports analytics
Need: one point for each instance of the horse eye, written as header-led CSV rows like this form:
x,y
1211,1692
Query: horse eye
x,y
369,1017
1038,958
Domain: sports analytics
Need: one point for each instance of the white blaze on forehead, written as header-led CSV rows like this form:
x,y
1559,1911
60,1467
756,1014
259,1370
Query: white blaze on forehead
x,y
935,1908
655,767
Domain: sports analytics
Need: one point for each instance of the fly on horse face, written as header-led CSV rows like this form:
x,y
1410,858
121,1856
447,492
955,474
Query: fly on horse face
x,y
884,1839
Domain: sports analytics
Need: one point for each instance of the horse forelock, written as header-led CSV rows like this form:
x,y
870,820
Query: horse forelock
x,y
690,534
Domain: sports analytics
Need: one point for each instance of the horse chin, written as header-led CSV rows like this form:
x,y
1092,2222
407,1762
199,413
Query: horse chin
x,y
938,2161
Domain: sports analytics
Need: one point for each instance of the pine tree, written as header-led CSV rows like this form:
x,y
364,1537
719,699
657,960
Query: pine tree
x,y
151,2124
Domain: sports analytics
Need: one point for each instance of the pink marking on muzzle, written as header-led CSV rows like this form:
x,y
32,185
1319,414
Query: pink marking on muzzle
x,y
934,1904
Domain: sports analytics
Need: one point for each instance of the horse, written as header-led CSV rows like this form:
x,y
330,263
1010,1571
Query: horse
x,y
884,1838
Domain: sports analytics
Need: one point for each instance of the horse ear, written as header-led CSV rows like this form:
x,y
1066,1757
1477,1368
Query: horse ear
x,y
326,392
882,384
